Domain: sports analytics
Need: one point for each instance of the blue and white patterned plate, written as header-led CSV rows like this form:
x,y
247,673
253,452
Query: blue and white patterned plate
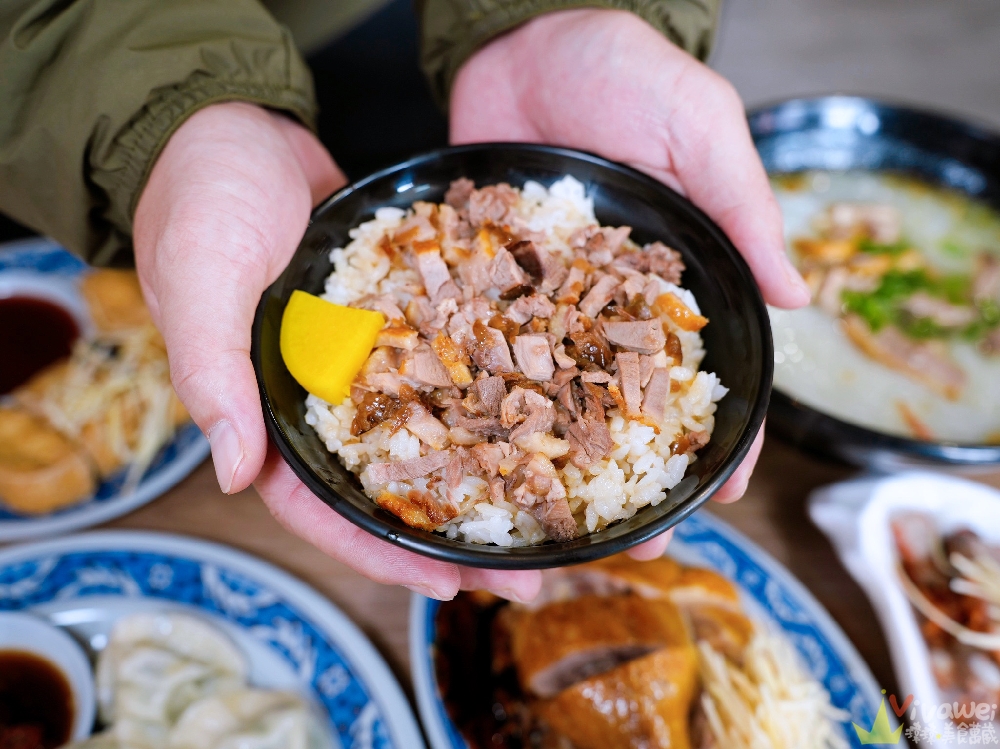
x,y
770,594
294,638
42,268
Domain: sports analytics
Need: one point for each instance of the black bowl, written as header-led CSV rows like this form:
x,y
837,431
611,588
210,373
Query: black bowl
x,y
738,339
839,133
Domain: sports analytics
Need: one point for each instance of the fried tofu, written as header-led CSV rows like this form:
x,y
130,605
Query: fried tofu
x,y
40,469
115,300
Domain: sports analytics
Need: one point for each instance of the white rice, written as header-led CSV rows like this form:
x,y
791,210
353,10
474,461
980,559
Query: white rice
x,y
638,472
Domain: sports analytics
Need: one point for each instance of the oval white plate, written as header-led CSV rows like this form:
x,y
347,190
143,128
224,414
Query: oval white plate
x,y
40,267
294,638
856,515
769,592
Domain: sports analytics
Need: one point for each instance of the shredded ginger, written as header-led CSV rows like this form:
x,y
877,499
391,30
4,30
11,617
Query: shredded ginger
x,y
769,703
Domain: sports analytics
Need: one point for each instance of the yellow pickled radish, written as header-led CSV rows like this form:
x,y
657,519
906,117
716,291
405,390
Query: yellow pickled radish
x,y
324,345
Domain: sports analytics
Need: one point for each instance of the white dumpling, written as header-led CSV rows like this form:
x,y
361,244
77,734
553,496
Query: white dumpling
x,y
250,719
155,665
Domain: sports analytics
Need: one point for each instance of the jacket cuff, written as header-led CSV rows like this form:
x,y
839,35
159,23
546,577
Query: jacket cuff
x,y
452,30
123,174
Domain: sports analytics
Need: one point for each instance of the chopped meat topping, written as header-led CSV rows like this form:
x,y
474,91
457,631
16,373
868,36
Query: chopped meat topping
x,y
526,411
474,272
489,349
598,297
654,400
505,325
644,336
589,349
527,307
656,258
492,205
539,490
528,256
628,370
398,336
454,360
590,441
509,354
420,422
382,303
379,474
485,396
646,366
564,360
486,426
428,369
489,457
375,409
435,274
574,283
534,357
594,399
690,443
406,510
506,274
459,192
565,321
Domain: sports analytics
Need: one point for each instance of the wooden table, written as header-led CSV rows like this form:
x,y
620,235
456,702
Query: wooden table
x,y
772,514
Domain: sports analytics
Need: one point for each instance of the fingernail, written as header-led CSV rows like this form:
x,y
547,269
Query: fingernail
x,y
794,277
428,592
227,453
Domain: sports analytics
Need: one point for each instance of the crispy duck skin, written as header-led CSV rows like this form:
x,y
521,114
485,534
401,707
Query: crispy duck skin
x,y
560,644
656,692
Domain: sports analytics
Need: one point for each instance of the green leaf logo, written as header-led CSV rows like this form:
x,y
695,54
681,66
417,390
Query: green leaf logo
x,y
881,732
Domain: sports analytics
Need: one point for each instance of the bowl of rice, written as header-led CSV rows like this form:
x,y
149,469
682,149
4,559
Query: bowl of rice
x,y
573,357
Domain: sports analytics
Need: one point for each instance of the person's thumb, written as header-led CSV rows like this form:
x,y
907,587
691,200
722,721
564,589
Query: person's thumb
x,y
224,208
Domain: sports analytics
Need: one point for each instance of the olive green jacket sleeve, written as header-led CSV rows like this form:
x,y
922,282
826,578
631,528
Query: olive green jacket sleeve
x,y
453,29
90,91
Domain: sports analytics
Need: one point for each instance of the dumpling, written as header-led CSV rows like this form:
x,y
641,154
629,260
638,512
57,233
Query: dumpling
x,y
155,666
174,681
250,719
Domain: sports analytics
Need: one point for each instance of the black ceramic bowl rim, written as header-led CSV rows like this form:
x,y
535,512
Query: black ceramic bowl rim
x,y
863,440
549,554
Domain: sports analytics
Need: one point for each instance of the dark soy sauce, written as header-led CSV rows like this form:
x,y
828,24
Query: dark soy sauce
x,y
486,706
33,334
36,704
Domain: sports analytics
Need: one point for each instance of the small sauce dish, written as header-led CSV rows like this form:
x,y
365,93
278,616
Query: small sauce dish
x,y
46,681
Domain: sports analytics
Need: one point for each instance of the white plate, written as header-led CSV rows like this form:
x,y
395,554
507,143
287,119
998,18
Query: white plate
x,y
42,268
770,594
856,515
294,638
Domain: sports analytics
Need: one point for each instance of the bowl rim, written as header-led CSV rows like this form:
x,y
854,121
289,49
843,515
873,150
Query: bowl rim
x,y
937,451
548,554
